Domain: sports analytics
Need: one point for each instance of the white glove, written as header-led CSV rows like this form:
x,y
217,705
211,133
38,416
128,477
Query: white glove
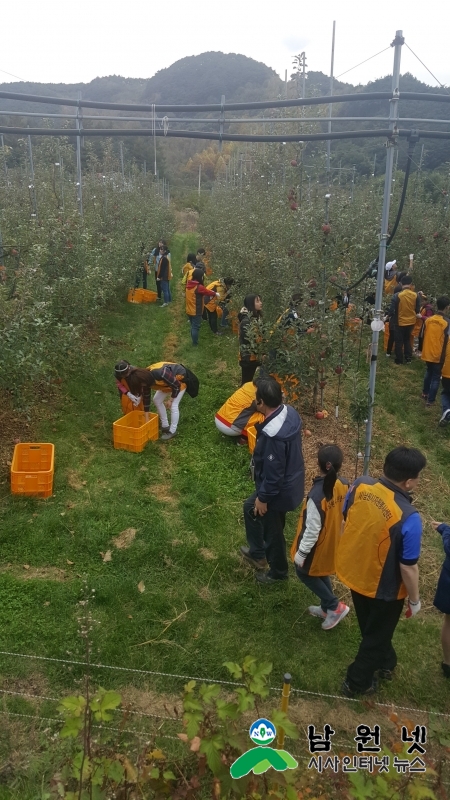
x,y
135,400
299,559
217,294
413,608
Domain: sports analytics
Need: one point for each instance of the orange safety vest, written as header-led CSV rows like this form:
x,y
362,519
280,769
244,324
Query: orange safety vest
x,y
194,300
366,558
240,409
407,308
445,373
125,401
178,371
322,558
434,337
215,286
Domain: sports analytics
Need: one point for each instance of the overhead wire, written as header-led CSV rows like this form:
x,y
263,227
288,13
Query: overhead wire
x,y
362,62
427,68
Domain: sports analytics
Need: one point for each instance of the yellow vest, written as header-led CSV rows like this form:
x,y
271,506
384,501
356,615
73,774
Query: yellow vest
x,y
240,409
435,331
321,561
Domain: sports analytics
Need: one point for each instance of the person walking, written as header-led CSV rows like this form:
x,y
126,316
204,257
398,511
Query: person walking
x,y
445,394
153,259
405,307
249,314
442,596
195,296
377,559
434,348
164,275
279,476
318,532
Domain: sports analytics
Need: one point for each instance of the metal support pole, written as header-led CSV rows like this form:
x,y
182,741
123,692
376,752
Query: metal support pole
x,y
374,165
303,76
5,167
378,314
284,706
199,179
353,180
330,107
79,180
285,84
32,186
221,121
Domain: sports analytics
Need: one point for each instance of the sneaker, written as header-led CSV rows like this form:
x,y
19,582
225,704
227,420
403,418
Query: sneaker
x,y
163,305
257,563
429,405
445,669
264,577
317,611
241,441
385,674
166,436
347,692
424,396
165,430
445,419
388,355
333,617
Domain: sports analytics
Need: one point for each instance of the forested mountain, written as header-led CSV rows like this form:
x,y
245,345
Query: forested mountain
x,y
204,79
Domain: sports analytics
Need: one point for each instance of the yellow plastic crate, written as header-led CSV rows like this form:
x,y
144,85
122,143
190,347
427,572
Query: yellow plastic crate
x,y
251,438
32,469
132,432
141,296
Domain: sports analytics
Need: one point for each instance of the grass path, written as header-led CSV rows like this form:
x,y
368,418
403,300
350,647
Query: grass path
x,y
201,605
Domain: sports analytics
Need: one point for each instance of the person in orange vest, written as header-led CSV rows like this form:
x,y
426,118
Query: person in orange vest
x,y
195,296
377,559
164,376
390,277
239,412
405,308
188,268
318,532
445,394
434,347
128,400
222,288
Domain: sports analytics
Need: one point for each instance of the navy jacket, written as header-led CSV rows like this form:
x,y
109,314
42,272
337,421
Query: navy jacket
x,y
444,530
278,460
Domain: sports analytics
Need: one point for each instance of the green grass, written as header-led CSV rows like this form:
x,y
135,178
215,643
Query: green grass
x,y
185,500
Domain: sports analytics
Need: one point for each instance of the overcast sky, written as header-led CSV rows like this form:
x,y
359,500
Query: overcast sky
x,y
58,41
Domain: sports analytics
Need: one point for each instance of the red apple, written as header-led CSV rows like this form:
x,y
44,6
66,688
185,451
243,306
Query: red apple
x,y
435,235
312,284
322,384
294,206
307,432
310,330
16,441
333,278
338,370
14,252
319,415
326,227
293,162
312,302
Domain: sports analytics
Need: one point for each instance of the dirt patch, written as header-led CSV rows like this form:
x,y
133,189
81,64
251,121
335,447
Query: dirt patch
x,y
74,480
124,539
162,492
208,555
187,220
220,368
27,572
170,346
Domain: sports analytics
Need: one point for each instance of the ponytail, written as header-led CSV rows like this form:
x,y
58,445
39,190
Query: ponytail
x,y
330,458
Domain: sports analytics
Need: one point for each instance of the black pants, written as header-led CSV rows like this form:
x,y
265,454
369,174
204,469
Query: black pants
x,y
377,620
265,537
141,275
248,370
212,319
403,343
158,287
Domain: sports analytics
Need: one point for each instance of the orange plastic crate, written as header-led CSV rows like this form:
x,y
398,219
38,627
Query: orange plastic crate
x,y
32,469
132,432
251,438
141,296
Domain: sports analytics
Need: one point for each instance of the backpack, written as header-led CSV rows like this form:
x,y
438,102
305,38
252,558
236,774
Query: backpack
x,y
192,383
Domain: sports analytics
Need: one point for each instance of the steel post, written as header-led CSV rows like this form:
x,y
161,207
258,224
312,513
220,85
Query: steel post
x,y
330,109
79,180
378,314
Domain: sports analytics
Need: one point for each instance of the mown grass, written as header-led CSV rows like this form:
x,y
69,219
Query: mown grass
x,y
201,605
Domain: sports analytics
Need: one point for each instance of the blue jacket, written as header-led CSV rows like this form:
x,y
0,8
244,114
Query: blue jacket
x,y
278,460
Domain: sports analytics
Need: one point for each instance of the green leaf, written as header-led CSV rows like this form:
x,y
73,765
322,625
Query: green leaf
x,y
212,755
74,705
189,687
115,771
154,773
192,721
208,692
249,664
72,727
226,710
234,669
192,704
245,700
103,702
281,720
168,775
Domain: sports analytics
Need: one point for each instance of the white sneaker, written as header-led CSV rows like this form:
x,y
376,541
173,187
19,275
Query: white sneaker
x,y
164,304
333,617
445,419
317,611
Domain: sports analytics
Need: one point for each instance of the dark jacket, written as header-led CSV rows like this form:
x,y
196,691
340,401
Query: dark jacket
x,y
278,460
444,530
164,272
245,320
